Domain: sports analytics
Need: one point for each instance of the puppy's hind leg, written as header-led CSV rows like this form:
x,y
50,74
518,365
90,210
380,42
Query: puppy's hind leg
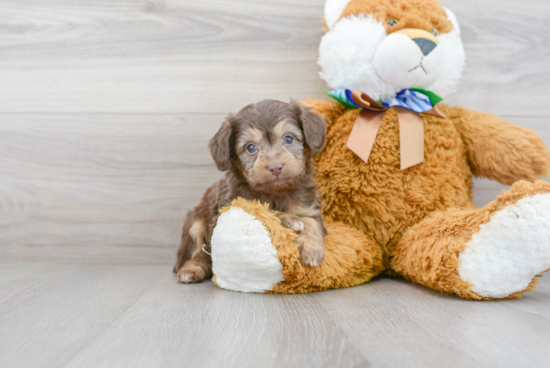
x,y
193,264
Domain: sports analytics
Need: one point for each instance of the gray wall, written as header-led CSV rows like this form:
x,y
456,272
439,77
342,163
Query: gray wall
x,y
106,106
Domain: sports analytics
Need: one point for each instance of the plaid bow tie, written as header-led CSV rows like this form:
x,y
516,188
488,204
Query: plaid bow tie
x,y
415,99
408,103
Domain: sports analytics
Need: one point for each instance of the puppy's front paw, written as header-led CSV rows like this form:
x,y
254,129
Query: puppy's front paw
x,y
293,223
297,226
191,274
312,254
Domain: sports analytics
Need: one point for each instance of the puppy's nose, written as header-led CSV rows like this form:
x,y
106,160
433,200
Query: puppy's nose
x,y
426,46
275,169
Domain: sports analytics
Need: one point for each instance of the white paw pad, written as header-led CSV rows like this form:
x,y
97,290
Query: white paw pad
x,y
508,251
243,258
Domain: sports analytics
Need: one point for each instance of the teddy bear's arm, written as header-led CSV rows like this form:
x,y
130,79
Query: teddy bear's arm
x,y
330,110
498,149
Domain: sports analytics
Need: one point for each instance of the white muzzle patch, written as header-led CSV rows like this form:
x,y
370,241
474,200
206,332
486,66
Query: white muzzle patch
x,y
404,63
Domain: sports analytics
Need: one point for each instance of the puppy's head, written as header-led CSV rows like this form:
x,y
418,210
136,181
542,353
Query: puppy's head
x,y
270,143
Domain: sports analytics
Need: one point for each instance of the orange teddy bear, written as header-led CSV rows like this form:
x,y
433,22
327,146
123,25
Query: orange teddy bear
x,y
396,173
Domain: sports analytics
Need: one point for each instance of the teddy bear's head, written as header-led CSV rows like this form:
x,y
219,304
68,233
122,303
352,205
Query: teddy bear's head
x,y
382,47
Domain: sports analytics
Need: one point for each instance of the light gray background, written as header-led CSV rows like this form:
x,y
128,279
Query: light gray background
x,y
106,108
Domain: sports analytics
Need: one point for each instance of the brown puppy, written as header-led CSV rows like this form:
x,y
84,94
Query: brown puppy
x,y
267,152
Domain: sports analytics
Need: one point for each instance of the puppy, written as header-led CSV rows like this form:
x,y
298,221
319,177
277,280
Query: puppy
x,y
267,153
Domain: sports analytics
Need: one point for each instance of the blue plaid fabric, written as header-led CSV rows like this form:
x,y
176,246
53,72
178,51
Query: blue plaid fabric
x,y
344,97
411,100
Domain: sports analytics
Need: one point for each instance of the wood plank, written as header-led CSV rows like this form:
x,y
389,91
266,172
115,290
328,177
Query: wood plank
x,y
205,327
215,56
156,56
60,311
137,315
397,323
15,276
114,187
118,184
537,303
502,44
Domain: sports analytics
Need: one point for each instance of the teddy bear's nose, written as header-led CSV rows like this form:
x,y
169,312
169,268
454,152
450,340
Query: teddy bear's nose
x,y
426,41
426,46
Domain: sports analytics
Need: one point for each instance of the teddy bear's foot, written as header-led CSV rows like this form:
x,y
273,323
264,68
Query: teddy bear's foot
x,y
493,252
509,250
243,257
253,252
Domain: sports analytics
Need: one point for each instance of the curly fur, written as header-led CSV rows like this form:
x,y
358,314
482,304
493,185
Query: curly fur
x,y
419,223
292,192
355,263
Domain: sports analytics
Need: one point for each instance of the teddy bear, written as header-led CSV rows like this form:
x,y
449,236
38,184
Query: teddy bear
x,y
396,172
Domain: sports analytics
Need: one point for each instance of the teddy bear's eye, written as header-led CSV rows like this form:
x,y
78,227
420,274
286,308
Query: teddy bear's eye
x,y
435,32
392,22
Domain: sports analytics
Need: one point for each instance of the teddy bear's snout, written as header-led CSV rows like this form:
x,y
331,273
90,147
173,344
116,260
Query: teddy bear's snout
x,y
426,41
409,57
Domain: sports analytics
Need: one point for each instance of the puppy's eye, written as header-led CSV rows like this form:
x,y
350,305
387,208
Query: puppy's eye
x,y
251,148
289,139
435,32
392,22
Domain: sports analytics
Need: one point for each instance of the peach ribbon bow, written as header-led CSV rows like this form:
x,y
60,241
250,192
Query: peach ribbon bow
x,y
411,130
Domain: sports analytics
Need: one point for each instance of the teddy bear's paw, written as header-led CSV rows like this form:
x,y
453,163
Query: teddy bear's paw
x,y
509,250
243,257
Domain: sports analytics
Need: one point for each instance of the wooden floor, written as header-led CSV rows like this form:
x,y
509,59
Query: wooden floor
x,y
59,315
106,107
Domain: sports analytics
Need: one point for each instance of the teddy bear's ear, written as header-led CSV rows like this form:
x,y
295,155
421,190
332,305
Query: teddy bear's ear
x,y
452,18
334,10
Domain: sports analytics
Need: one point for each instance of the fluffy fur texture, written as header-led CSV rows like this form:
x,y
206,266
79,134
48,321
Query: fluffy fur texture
x,y
419,223
333,11
351,258
245,259
430,253
379,198
384,202
267,150
416,222
509,250
387,61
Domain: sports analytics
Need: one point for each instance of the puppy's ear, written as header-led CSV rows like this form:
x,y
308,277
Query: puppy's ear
x,y
221,144
313,126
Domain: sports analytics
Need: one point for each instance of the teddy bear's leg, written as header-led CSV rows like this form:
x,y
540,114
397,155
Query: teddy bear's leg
x,y
253,252
493,252
243,257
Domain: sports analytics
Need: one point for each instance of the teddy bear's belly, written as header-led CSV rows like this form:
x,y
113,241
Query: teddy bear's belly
x,y
380,199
